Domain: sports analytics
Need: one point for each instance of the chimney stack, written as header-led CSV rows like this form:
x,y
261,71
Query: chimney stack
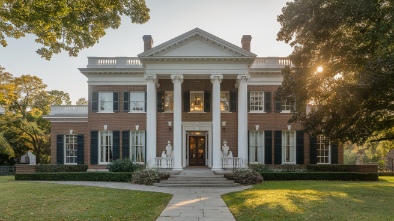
x,y
245,41
148,42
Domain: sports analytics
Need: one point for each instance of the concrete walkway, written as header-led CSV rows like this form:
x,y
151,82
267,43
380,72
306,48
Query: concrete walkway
x,y
187,204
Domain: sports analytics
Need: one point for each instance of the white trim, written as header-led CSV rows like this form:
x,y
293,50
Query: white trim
x,y
197,126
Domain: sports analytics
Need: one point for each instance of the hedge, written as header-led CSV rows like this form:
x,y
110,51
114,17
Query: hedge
x,y
342,168
61,168
386,174
77,176
343,176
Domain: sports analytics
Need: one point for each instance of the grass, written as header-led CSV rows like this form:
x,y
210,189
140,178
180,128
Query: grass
x,y
314,200
21,200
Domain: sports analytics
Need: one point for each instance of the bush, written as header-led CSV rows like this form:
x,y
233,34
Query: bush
x,y
343,176
77,176
146,177
49,168
124,165
370,168
245,176
260,168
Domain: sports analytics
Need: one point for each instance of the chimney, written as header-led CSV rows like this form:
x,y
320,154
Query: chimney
x,y
148,42
245,41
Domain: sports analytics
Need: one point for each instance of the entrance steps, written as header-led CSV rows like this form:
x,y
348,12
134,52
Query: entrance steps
x,y
196,177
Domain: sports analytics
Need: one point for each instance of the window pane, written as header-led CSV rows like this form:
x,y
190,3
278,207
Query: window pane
x,y
106,101
256,146
137,147
225,101
256,101
196,101
70,148
137,101
106,147
168,101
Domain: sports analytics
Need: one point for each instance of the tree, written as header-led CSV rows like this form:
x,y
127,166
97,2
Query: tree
x,y
6,152
352,93
69,25
82,101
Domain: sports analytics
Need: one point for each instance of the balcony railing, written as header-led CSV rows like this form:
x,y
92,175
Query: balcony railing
x,y
271,62
164,162
232,162
69,110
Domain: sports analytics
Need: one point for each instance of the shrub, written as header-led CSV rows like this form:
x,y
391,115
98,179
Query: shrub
x,y
124,165
49,168
260,168
146,177
344,176
77,176
245,176
370,168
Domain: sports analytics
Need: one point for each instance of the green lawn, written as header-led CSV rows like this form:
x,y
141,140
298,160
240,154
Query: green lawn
x,y
20,200
314,200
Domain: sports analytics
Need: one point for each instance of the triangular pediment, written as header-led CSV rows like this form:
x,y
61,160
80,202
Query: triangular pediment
x,y
196,43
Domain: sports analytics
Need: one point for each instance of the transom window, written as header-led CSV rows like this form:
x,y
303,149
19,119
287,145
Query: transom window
x,y
168,101
137,146
224,101
323,150
288,147
196,101
256,101
256,146
105,146
70,142
137,101
106,101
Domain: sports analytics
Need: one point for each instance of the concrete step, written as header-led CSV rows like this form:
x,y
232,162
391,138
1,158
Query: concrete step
x,y
197,178
196,184
196,181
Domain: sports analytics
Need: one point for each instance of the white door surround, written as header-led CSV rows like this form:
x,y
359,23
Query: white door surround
x,y
204,128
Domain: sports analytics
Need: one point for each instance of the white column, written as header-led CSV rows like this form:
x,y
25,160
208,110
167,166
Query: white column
x,y
151,129
177,80
242,118
216,79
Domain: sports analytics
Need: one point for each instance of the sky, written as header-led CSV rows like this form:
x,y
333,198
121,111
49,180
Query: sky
x,y
226,19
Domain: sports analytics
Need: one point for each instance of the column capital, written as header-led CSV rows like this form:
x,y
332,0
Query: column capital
x,y
177,77
243,77
150,77
218,77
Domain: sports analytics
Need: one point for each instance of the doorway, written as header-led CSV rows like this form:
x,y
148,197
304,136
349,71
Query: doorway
x,y
197,150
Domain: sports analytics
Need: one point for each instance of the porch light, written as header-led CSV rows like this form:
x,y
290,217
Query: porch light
x,y
169,125
137,126
289,127
224,125
105,127
257,127
71,131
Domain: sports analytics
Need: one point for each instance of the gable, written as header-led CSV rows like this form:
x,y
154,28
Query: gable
x,y
197,48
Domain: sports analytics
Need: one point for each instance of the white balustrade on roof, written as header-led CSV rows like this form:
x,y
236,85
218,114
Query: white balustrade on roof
x,y
69,110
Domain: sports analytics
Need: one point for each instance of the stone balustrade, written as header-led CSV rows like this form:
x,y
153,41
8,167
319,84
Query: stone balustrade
x,y
69,110
232,162
164,162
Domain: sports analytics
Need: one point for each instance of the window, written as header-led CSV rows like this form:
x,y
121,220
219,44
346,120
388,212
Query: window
x,y
70,142
137,147
106,101
196,101
256,101
288,147
323,150
287,106
168,101
225,101
137,101
256,147
105,146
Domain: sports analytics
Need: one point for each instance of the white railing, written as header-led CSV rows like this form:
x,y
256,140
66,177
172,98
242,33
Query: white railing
x,y
232,162
271,62
69,109
164,162
114,62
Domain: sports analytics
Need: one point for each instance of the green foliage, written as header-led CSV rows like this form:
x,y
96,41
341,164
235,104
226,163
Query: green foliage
x,y
66,25
124,165
260,168
145,177
50,168
344,176
341,168
245,176
77,176
5,149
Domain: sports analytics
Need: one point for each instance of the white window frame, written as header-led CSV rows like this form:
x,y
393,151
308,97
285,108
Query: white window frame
x,y
168,105
106,101
322,145
135,103
287,106
224,101
197,106
288,147
137,146
106,147
256,102
256,146
70,149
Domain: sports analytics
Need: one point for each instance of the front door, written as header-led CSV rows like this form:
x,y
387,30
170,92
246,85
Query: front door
x,y
197,151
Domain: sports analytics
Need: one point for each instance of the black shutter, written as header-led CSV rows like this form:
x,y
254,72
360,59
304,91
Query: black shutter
x,y
278,147
116,144
207,101
93,147
267,101
248,100
233,102
334,154
268,147
60,149
80,149
278,103
126,100
146,103
126,144
313,150
160,101
116,101
186,101
299,147
94,101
